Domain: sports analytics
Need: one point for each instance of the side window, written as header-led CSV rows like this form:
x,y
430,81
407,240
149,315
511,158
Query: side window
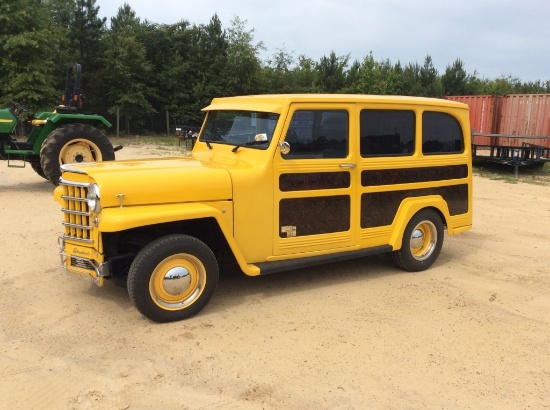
x,y
318,134
387,132
441,134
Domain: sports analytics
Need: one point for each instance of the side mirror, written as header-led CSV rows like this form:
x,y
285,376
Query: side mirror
x,y
285,147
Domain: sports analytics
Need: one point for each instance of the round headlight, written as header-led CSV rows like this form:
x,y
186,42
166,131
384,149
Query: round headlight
x,y
94,203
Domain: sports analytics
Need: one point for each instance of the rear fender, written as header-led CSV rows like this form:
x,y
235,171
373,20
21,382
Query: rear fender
x,y
41,132
408,208
94,120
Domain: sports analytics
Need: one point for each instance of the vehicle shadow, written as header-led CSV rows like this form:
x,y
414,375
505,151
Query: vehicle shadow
x,y
236,288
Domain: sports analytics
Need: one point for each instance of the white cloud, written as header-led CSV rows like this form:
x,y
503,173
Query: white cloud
x,y
490,36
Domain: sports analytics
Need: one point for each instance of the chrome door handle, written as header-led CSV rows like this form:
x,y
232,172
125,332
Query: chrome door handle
x,y
348,165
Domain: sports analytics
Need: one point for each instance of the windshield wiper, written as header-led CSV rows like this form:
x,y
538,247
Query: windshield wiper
x,y
248,144
206,140
258,140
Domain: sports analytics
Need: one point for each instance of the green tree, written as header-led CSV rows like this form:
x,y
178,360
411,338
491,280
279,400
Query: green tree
x,y
278,76
167,50
243,68
27,43
305,75
209,67
411,80
87,34
368,78
455,79
429,79
503,85
125,70
332,73
62,16
353,78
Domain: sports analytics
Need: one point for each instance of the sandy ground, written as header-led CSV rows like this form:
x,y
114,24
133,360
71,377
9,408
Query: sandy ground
x,y
471,332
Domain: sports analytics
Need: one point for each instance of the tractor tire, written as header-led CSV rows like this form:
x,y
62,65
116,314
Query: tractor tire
x,y
35,165
73,143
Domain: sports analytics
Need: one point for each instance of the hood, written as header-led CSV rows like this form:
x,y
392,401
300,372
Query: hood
x,y
156,181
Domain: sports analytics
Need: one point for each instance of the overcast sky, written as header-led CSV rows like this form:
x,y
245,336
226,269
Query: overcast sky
x,y
491,37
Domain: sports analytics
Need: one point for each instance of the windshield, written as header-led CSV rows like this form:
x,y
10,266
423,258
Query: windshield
x,y
243,128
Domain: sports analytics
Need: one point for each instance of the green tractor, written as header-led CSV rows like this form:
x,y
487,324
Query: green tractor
x,y
60,137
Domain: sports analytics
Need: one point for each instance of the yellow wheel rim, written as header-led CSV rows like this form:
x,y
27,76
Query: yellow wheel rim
x,y
79,150
423,240
177,281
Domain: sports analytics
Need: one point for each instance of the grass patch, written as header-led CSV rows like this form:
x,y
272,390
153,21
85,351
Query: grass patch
x,y
505,173
133,140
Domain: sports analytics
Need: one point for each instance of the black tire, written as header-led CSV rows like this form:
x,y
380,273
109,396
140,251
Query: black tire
x,y
422,242
172,278
35,165
73,143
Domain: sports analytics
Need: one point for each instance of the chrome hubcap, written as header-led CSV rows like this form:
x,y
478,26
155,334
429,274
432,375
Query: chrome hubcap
x,y
176,281
423,240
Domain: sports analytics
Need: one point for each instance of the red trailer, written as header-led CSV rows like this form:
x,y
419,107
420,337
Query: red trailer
x,y
512,129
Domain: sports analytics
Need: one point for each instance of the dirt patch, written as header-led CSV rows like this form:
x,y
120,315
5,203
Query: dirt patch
x,y
471,332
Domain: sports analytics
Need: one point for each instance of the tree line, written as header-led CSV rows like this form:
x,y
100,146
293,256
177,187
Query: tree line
x,y
142,69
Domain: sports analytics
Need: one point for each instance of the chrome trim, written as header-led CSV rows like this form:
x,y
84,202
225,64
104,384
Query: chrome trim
x,y
285,147
120,197
76,223
102,270
78,226
74,238
70,211
65,167
74,198
73,183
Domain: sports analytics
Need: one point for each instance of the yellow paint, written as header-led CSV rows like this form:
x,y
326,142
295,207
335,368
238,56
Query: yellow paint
x,y
240,189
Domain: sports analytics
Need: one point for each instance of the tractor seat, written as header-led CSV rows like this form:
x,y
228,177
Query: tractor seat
x,y
63,109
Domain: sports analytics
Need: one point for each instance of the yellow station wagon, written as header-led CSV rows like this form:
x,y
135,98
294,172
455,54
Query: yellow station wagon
x,y
273,183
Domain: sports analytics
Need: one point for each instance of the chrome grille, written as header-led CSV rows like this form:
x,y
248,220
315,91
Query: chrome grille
x,y
81,263
76,215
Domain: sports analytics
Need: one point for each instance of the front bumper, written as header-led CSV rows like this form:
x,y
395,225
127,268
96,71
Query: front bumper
x,y
83,261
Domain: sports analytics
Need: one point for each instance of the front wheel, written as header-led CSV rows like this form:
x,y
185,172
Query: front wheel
x,y
73,143
422,242
172,278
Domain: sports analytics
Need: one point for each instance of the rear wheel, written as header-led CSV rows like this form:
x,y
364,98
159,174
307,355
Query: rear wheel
x,y
422,242
172,278
73,143
35,165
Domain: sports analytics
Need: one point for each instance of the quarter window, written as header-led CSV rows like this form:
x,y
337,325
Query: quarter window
x,y
441,134
387,132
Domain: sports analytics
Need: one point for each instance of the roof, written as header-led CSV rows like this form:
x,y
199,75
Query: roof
x,y
276,102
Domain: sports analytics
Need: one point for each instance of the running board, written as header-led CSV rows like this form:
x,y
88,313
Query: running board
x,y
290,264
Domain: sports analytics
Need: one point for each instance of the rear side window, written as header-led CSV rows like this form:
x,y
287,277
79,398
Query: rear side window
x,y
441,134
387,132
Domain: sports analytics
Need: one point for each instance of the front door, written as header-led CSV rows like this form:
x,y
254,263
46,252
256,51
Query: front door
x,y
315,182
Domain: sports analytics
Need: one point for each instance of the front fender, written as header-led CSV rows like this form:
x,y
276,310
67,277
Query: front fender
x,y
123,218
119,219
